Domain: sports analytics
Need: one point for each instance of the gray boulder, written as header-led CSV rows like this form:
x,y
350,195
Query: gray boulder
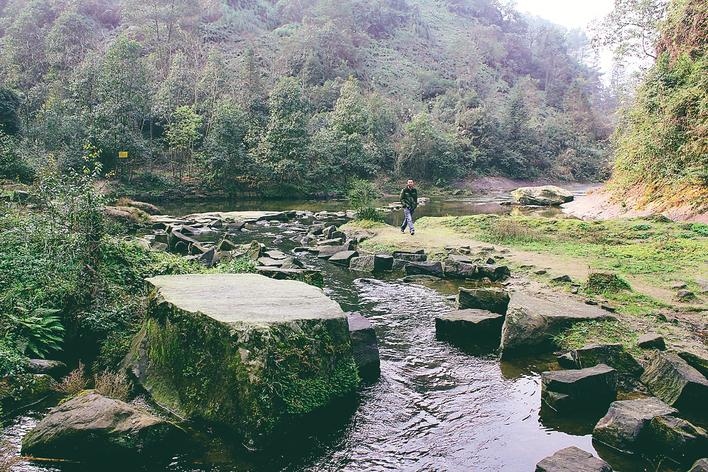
x,y
377,263
413,256
696,360
47,366
592,388
572,459
460,268
493,272
470,327
532,323
493,299
546,195
627,421
701,465
425,268
343,258
91,427
365,347
677,438
613,355
678,384
325,252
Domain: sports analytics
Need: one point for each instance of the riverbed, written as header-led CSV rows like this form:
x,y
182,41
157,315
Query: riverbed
x,y
434,408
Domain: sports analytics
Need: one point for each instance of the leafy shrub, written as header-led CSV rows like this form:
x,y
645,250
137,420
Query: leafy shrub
x,y
40,330
362,193
13,164
369,214
12,361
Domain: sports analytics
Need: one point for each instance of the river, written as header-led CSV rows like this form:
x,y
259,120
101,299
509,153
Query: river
x,y
434,407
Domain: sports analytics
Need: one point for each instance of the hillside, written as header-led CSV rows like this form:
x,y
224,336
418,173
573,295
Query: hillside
x,y
299,96
662,140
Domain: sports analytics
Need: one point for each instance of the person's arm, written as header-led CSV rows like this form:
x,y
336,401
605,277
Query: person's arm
x,y
403,198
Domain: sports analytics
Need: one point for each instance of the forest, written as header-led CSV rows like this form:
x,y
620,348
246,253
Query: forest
x,y
297,98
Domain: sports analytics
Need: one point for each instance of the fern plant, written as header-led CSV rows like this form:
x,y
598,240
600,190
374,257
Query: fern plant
x,y
41,329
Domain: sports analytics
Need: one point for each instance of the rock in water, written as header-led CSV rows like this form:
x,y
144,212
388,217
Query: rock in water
x,y
365,345
95,428
484,298
677,438
343,258
470,327
377,263
572,459
670,378
701,465
546,195
613,355
627,420
425,268
532,322
583,389
242,350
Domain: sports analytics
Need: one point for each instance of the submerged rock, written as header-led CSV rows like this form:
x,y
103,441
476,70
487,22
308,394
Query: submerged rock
x,y
678,384
572,459
627,421
95,428
532,323
213,347
546,195
583,389
365,346
470,327
493,299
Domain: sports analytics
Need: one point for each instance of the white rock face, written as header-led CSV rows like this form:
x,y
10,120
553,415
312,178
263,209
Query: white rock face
x,y
546,195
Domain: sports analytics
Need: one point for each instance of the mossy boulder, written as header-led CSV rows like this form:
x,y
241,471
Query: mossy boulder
x,y
242,350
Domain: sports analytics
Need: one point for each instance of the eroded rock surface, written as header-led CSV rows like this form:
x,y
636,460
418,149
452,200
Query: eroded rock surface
x,y
591,388
572,459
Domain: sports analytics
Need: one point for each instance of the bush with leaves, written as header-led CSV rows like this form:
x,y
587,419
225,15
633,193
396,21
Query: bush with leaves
x,y
40,331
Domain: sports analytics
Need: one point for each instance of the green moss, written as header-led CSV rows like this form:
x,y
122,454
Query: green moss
x,y
604,283
598,332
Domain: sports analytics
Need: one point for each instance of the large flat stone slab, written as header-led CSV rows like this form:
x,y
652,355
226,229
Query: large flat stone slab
x,y
470,327
586,389
532,322
243,351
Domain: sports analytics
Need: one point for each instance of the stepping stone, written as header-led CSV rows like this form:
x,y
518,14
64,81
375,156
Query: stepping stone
x,y
484,298
651,341
493,273
310,276
532,322
377,263
343,258
582,389
416,256
677,438
673,380
275,254
325,252
572,459
613,355
626,421
460,267
365,346
425,268
472,327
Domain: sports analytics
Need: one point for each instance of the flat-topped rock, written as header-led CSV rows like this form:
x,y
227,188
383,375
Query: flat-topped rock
x,y
471,326
425,268
212,347
246,298
532,322
365,345
587,389
494,299
626,423
673,380
572,459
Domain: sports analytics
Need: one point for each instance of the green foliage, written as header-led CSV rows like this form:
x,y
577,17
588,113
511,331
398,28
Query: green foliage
x,y
9,120
41,330
598,332
12,361
602,283
370,214
362,193
13,164
661,145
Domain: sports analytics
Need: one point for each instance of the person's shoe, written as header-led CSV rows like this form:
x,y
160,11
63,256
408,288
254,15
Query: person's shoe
x,y
403,231
413,234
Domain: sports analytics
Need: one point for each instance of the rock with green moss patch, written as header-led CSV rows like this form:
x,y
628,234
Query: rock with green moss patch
x,y
91,427
242,350
605,282
532,322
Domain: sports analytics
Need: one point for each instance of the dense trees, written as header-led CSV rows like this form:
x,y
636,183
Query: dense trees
x,y
302,96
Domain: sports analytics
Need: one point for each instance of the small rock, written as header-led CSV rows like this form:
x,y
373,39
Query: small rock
x,y
493,273
343,258
651,341
425,268
411,256
492,299
491,261
678,285
695,360
47,366
590,388
365,347
562,279
460,267
572,459
685,296
626,420
567,361
470,327
540,272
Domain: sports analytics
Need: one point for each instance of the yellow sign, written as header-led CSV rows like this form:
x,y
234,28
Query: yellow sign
x,y
123,154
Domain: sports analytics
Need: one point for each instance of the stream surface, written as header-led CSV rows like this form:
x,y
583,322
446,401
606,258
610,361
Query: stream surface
x,y
434,407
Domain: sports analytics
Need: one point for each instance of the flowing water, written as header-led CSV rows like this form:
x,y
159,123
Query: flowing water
x,y
434,407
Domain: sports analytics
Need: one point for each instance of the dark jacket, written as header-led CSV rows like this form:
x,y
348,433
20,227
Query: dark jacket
x,y
409,198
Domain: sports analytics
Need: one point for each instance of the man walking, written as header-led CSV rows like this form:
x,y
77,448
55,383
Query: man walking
x,y
409,200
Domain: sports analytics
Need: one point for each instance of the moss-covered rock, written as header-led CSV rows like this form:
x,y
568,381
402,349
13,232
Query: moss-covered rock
x,y
244,351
